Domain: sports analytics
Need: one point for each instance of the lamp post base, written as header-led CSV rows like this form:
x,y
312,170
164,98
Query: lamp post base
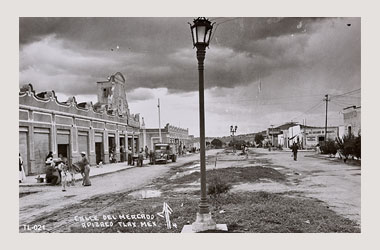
x,y
203,222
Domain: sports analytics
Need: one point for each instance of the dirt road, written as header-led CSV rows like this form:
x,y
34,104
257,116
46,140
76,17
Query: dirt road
x,y
44,200
335,183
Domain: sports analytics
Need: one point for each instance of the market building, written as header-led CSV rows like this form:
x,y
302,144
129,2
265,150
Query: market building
x,y
103,130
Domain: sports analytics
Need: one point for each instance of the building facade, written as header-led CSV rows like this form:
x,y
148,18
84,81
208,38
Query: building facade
x,y
352,120
316,135
67,128
306,137
169,134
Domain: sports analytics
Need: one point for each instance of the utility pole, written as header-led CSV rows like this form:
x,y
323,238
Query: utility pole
x,y
327,100
159,120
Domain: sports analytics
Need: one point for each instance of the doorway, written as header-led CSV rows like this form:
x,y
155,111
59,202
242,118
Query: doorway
x,y
111,149
98,152
64,152
122,149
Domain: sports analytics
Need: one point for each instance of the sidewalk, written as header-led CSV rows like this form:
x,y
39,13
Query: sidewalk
x,y
110,168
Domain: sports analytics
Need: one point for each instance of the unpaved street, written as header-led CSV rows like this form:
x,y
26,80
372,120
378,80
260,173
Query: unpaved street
x,y
335,183
43,200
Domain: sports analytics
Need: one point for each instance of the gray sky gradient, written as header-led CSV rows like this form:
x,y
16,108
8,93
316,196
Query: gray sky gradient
x,y
297,61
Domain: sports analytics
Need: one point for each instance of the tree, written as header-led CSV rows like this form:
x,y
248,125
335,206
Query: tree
x,y
217,143
330,148
357,147
259,140
238,144
346,145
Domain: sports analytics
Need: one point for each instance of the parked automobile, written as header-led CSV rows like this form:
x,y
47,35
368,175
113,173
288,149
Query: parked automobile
x,y
164,152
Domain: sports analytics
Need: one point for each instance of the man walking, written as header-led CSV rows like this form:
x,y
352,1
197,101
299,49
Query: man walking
x,y
295,150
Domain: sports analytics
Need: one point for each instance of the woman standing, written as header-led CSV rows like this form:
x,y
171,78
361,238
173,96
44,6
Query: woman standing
x,y
84,166
21,176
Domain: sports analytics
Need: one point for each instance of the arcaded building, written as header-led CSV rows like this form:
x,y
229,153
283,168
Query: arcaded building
x,y
67,128
169,134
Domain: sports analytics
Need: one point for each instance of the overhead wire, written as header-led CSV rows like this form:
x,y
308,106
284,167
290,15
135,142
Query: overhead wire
x,y
213,19
217,25
309,110
347,93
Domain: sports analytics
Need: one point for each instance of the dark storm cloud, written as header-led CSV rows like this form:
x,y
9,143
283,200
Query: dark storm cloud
x,y
145,35
71,54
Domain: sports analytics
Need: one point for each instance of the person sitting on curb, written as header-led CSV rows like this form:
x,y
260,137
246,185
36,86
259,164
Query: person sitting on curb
x,y
52,173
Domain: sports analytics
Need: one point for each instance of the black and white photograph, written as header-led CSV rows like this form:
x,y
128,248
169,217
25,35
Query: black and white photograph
x,y
189,124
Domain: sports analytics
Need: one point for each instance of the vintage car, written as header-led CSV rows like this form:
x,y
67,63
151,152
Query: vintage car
x,y
164,152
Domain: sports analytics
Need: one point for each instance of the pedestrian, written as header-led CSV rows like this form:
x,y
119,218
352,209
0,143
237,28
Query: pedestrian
x,y
21,176
84,166
140,158
122,153
146,152
151,155
318,149
129,156
295,150
111,156
65,175
50,155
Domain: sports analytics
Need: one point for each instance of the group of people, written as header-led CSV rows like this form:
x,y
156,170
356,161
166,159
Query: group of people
x,y
58,171
181,149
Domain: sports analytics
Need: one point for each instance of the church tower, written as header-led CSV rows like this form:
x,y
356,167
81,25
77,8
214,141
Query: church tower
x,y
112,95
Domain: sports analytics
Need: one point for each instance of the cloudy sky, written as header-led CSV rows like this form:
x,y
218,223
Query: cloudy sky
x,y
258,71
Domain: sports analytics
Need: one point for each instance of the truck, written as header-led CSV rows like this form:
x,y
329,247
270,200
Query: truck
x,y
163,152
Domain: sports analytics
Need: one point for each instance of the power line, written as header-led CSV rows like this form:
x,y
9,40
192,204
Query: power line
x,y
213,19
352,91
309,110
217,25
276,98
229,20
344,103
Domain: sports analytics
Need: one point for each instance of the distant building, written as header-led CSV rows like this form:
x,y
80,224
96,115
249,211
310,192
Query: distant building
x,y
311,136
306,136
279,135
169,134
352,120
68,128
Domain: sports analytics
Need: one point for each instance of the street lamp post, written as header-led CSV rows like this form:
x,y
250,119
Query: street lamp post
x,y
233,131
201,32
